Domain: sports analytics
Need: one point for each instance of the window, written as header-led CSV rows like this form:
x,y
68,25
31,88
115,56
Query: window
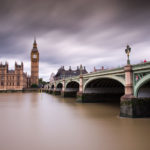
x,y
18,84
2,71
2,78
18,77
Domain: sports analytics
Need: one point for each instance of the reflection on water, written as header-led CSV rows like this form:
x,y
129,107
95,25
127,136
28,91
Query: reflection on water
x,y
35,121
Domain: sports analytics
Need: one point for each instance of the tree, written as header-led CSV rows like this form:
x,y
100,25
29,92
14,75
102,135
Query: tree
x,y
41,82
34,86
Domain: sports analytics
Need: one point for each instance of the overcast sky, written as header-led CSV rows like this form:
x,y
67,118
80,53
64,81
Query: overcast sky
x,y
74,32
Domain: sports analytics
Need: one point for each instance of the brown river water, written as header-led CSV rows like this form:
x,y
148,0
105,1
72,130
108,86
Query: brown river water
x,y
39,121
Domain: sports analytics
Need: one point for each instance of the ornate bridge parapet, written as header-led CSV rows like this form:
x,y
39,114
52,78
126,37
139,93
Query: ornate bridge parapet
x,y
141,76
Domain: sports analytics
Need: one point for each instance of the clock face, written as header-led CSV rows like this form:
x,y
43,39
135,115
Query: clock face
x,y
34,56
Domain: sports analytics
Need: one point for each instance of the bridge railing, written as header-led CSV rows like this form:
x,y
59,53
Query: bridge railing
x,y
61,78
104,70
87,74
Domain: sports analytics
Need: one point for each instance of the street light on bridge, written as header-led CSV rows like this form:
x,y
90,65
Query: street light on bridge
x,y
128,50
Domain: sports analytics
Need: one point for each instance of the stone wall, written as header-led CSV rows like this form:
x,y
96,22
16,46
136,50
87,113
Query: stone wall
x,y
135,107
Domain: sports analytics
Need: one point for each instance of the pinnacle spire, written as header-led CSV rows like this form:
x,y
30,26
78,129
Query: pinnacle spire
x,y
34,39
34,44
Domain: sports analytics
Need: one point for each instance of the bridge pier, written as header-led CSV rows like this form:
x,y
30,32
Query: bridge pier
x,y
80,93
51,91
57,92
79,97
130,106
69,93
125,109
48,91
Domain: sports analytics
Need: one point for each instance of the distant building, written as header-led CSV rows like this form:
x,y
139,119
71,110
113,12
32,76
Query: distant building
x,y
12,79
62,73
101,69
16,79
51,79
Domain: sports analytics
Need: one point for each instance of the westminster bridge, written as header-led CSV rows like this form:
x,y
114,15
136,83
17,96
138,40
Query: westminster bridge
x,y
132,81
129,84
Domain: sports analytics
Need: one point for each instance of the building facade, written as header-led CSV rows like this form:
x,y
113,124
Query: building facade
x,y
63,73
12,79
16,79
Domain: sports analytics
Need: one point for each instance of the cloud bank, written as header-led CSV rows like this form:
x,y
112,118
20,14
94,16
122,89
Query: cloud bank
x,y
74,32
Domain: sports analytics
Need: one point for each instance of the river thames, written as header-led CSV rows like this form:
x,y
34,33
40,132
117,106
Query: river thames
x,y
39,121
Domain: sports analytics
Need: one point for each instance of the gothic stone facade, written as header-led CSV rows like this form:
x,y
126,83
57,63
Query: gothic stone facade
x,y
16,79
12,79
62,73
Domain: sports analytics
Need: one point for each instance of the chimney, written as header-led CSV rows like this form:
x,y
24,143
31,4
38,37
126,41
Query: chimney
x,y
81,68
69,68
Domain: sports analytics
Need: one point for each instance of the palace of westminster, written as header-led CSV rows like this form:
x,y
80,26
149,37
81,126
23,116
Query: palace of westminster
x,y
17,79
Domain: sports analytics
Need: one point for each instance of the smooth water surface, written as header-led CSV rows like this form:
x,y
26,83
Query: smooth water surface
x,y
39,121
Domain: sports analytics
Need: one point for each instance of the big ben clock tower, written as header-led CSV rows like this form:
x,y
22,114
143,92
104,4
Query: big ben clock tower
x,y
34,64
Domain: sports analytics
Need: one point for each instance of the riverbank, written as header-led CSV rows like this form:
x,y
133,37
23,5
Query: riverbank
x,y
24,90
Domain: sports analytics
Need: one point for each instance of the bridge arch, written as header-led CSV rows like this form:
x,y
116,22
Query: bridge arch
x,y
70,81
119,79
72,84
103,89
72,88
59,86
52,86
141,83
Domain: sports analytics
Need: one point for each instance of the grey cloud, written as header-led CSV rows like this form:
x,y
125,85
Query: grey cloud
x,y
70,32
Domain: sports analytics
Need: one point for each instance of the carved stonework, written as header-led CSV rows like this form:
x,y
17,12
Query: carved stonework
x,y
138,77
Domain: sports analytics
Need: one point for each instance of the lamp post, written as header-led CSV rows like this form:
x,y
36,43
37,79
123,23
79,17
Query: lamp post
x,y
81,68
128,50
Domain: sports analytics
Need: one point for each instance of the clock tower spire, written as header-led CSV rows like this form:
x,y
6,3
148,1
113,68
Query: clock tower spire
x,y
35,44
34,64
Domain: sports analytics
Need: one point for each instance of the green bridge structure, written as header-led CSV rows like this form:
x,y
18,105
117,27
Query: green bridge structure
x,y
130,85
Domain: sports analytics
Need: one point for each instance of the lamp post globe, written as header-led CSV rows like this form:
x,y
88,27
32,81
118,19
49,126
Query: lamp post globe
x,y
127,51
